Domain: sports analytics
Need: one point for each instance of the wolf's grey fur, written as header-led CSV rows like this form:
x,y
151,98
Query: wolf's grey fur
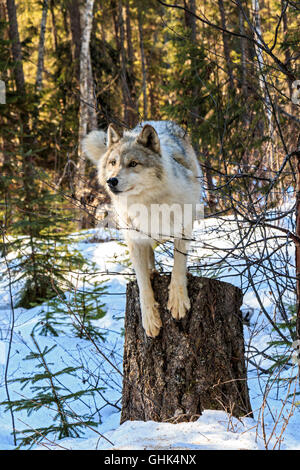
x,y
153,164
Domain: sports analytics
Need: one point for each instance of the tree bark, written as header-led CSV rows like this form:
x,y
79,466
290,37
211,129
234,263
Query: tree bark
x,y
74,14
287,52
190,24
130,66
211,193
85,81
54,27
3,10
194,364
243,53
226,47
129,105
16,46
297,245
40,66
92,101
143,65
130,51
190,20
263,81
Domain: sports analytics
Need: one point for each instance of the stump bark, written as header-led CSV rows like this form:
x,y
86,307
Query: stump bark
x,y
194,364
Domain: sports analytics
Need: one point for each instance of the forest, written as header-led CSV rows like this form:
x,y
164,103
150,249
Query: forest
x,y
227,72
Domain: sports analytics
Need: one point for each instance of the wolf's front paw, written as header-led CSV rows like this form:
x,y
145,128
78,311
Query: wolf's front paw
x,y
151,319
179,302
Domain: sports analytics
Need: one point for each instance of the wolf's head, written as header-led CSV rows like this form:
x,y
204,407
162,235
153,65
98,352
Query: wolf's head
x,y
127,164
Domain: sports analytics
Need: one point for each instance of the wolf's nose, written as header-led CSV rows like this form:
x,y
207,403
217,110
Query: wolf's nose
x,y
112,182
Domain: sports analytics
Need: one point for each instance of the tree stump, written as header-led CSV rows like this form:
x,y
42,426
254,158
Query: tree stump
x,y
194,364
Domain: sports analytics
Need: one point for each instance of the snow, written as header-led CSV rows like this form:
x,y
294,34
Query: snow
x,y
213,430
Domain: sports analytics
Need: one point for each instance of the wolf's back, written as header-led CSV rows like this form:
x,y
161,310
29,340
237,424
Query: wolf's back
x,y
164,129
175,144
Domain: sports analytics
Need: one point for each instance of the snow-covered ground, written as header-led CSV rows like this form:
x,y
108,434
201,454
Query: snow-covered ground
x,y
100,367
212,431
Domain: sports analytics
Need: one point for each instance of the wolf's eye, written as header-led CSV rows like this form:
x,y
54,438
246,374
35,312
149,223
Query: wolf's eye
x,y
132,164
113,162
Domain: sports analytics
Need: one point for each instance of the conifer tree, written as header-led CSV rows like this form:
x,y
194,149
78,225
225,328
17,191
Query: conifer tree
x,y
44,389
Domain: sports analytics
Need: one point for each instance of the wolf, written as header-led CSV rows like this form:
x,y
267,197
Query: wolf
x,y
152,166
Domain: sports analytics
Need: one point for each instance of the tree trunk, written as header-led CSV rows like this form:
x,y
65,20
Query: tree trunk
x,y
129,112
195,364
297,245
245,93
243,53
130,67
92,101
130,51
143,64
54,27
74,14
40,66
263,81
85,74
190,24
16,46
226,47
211,193
287,52
189,19
3,10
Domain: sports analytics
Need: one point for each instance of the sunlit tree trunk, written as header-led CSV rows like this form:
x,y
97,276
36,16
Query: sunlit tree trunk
x,y
127,101
92,102
263,82
87,21
41,53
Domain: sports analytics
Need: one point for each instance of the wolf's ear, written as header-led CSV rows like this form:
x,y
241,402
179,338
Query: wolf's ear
x,y
149,138
113,136
94,145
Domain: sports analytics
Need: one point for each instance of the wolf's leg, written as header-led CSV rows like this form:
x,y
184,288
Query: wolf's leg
x,y
179,301
139,255
151,259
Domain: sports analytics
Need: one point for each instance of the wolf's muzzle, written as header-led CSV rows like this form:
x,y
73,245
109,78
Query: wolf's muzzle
x,y
112,182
